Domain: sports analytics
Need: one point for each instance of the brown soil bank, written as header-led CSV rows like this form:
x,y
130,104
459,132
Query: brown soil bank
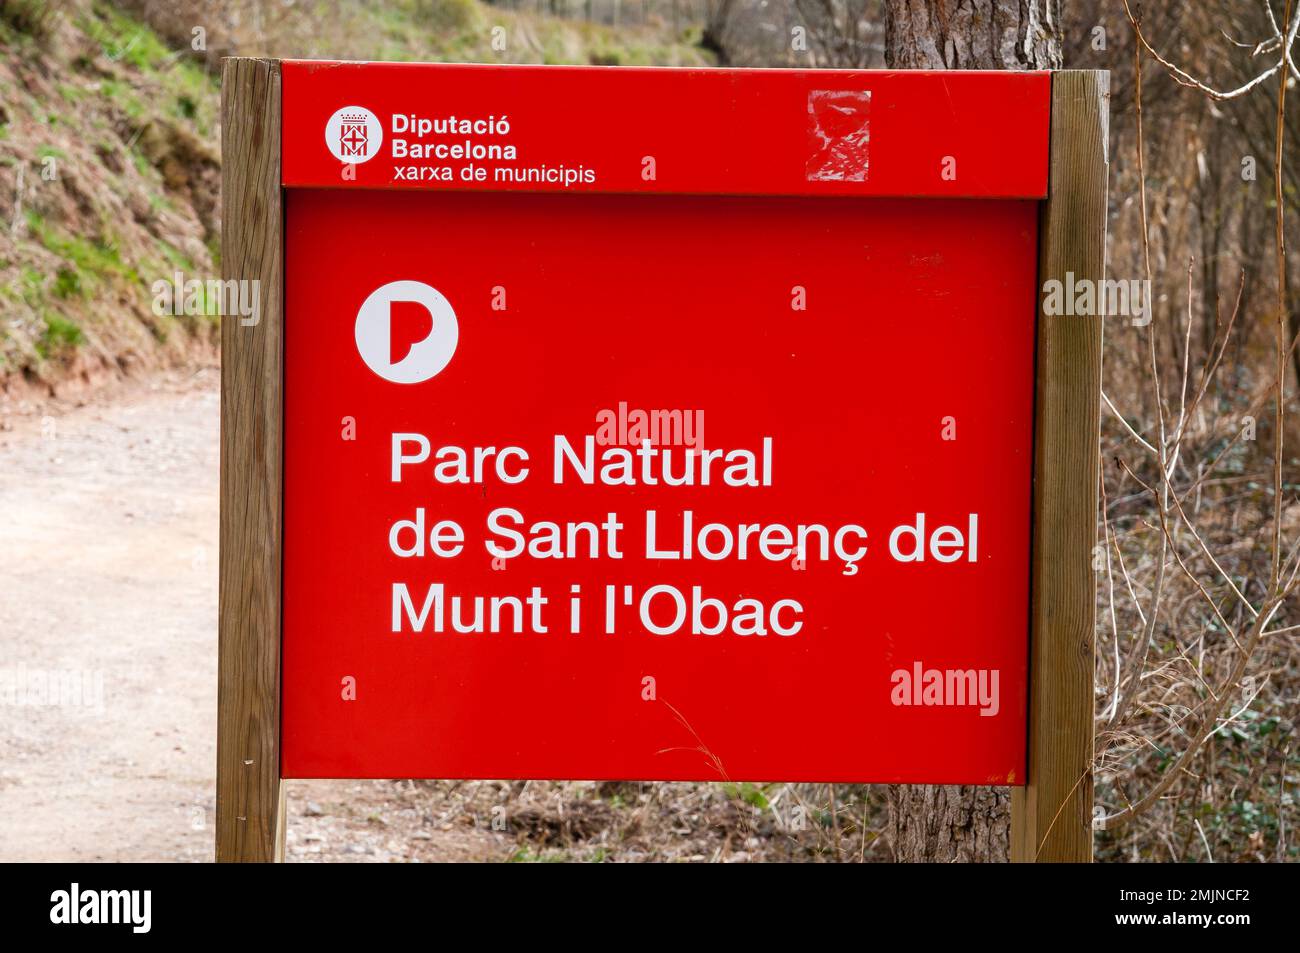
x,y
111,174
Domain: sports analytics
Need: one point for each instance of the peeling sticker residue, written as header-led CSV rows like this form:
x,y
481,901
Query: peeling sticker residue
x,y
838,135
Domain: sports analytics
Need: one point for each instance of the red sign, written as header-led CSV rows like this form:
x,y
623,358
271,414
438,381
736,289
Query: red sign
x,y
711,466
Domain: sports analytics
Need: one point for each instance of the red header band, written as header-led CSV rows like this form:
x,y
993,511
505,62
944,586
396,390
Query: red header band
x,y
682,131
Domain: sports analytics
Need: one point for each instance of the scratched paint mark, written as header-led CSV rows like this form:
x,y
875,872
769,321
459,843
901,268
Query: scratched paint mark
x,y
838,135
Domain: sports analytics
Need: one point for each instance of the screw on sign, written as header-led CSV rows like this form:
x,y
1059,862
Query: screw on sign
x,y
558,540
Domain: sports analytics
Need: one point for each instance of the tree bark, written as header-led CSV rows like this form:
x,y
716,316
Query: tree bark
x,y
962,823
949,824
973,34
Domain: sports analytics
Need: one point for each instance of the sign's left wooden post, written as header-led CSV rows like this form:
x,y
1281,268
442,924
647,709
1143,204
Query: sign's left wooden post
x,y
250,798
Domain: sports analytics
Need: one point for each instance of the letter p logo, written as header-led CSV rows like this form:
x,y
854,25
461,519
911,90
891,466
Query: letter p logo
x,y
406,332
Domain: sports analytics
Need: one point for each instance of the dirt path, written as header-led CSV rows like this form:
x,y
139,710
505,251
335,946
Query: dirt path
x,y
108,590
108,587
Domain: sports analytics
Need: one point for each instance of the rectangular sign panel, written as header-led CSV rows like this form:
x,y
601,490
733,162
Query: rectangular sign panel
x,y
653,486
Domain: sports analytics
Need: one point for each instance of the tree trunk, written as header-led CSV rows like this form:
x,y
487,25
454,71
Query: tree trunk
x,y
713,37
952,823
973,34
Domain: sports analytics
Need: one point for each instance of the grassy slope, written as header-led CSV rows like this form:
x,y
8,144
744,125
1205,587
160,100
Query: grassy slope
x,y
109,164
109,169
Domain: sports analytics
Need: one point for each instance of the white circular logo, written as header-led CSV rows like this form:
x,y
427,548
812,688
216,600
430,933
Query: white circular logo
x,y
354,134
406,332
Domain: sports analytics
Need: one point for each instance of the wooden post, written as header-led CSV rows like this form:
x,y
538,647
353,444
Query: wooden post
x,y
1051,817
250,801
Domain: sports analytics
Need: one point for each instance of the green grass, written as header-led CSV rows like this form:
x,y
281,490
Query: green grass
x,y
32,287
28,18
525,856
123,39
60,335
72,94
124,96
445,15
461,31
209,308
93,260
752,794
67,284
195,94
190,92
177,259
206,308
141,163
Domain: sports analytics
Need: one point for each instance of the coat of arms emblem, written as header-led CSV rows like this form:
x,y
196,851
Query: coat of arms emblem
x,y
353,138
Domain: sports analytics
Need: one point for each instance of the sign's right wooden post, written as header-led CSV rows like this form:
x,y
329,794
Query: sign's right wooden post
x,y
1051,816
